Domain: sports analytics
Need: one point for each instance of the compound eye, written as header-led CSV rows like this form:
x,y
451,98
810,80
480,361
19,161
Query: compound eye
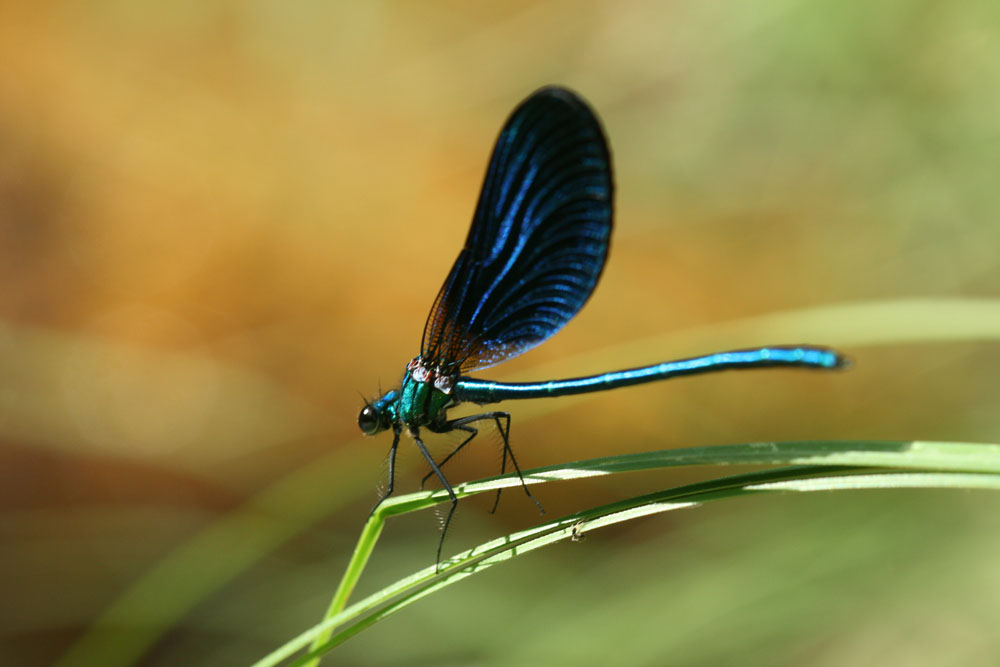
x,y
368,420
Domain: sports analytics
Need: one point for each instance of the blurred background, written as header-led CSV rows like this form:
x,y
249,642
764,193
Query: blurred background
x,y
220,222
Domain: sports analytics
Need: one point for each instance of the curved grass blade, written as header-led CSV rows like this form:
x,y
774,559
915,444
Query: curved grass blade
x,y
912,455
803,479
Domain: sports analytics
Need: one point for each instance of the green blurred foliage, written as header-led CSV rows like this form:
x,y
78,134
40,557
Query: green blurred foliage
x,y
220,221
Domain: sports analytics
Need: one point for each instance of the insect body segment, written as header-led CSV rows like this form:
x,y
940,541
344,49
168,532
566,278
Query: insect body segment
x,y
424,397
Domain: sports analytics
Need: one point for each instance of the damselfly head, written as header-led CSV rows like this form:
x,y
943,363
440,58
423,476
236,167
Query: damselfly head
x,y
377,415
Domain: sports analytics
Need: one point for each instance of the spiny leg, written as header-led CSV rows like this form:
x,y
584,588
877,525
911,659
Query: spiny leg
x,y
447,487
472,431
392,469
503,463
507,451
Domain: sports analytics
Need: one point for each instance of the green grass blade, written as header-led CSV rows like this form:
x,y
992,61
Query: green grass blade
x,y
939,456
907,454
391,599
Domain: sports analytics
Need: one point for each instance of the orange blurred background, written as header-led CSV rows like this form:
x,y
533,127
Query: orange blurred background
x,y
219,222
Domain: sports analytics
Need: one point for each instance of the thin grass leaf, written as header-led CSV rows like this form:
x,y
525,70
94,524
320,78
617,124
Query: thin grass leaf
x,y
969,464
941,456
392,599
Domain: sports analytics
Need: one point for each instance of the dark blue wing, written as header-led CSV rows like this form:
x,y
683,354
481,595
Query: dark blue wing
x,y
538,240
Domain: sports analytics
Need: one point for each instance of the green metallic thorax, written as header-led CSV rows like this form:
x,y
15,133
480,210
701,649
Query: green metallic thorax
x,y
421,403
